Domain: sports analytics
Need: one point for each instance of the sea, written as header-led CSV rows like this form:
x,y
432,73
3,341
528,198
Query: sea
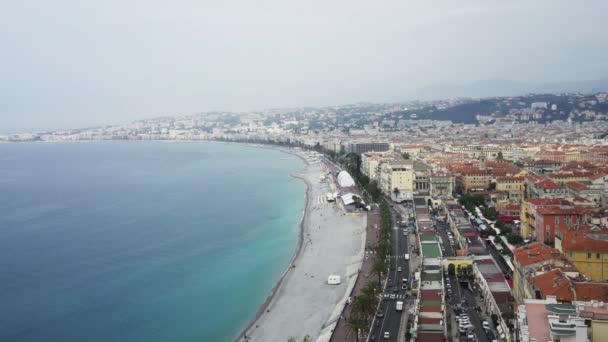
x,y
142,241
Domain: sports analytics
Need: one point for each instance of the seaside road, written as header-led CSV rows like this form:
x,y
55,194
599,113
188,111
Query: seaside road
x,y
333,243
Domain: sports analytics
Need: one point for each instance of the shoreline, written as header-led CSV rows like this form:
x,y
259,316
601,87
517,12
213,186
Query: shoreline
x,y
298,251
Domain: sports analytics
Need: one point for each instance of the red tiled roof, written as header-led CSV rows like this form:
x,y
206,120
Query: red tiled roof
x,y
534,253
547,184
554,283
585,240
548,201
591,291
577,186
557,210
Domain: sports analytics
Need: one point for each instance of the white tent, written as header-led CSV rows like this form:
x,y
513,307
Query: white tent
x,y
348,198
345,179
333,279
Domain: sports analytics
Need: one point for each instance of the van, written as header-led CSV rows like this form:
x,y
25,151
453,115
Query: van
x,y
407,256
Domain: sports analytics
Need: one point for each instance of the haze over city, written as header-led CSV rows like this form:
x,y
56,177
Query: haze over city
x,y
69,64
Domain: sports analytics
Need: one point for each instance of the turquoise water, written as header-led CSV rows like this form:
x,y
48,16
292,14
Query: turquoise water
x,y
141,241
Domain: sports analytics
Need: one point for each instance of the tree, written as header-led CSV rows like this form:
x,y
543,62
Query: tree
x,y
499,156
515,239
405,155
373,190
291,339
396,192
379,268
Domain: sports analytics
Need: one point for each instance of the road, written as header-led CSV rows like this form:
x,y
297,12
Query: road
x,y
391,320
442,228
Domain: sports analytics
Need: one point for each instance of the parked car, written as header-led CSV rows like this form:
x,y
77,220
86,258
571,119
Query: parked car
x,y
486,325
387,335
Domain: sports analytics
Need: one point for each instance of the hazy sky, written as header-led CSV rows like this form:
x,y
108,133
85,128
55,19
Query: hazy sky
x,y
74,63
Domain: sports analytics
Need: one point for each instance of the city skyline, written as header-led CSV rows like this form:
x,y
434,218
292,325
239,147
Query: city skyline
x,y
75,65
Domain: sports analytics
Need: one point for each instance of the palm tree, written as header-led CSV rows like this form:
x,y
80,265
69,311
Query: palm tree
x,y
379,267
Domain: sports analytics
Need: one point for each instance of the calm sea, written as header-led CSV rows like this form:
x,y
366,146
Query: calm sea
x,y
141,241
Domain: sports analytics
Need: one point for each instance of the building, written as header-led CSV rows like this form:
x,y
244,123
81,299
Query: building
x,y
534,260
370,162
513,186
397,178
472,179
587,249
362,147
441,183
595,314
548,320
528,215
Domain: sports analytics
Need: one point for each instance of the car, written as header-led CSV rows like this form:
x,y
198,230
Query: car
x,y
485,325
373,338
398,269
471,336
403,287
395,289
387,335
380,314
461,329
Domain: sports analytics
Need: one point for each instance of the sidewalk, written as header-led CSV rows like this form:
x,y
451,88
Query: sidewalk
x,y
341,332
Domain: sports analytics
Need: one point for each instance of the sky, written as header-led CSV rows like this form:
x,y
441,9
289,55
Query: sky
x,y
79,63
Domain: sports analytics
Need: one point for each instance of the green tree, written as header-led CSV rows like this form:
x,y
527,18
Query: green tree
x,y
378,269
515,239
405,155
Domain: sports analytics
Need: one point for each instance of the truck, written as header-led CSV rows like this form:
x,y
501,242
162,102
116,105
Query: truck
x,y
399,306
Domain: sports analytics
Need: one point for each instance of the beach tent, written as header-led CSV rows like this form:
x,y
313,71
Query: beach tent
x,y
345,180
349,199
333,279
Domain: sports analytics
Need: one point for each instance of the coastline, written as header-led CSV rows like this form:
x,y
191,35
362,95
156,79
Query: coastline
x,y
331,242
299,245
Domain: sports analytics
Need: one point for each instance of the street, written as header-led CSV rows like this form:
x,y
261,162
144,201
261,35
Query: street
x,y
391,318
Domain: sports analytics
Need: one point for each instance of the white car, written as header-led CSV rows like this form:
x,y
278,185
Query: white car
x,y
486,325
387,334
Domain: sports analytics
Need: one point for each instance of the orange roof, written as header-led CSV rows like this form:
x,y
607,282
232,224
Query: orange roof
x,y
591,291
586,240
557,210
577,186
554,283
534,253
547,184
548,201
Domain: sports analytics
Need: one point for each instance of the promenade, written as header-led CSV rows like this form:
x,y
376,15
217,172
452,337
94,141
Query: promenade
x,y
333,242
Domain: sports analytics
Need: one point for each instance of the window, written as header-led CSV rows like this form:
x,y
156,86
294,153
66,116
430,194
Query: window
x,y
588,256
571,254
597,255
556,219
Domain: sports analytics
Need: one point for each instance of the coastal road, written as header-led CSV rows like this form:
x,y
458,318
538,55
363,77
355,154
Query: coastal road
x,y
391,318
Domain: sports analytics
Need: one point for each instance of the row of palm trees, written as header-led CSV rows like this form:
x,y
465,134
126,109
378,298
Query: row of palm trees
x,y
364,305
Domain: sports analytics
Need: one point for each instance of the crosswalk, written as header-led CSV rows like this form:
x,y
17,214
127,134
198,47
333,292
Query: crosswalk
x,y
394,296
